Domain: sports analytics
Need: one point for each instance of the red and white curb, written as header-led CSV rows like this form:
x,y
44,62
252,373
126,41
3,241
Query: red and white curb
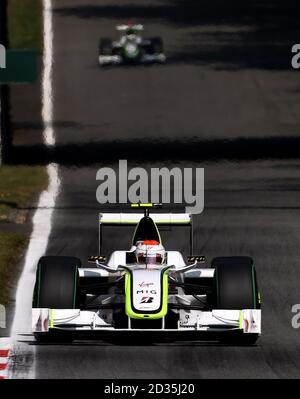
x,y
4,360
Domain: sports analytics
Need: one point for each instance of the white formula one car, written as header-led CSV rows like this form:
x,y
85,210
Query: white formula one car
x,y
131,48
147,289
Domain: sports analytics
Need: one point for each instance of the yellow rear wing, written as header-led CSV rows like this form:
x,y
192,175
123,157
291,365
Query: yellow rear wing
x,y
134,218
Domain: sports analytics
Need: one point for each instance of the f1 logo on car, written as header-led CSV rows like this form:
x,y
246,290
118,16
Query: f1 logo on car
x,y
147,299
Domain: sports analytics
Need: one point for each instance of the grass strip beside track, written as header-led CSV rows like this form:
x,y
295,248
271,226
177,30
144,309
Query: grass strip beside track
x,y
12,246
19,189
25,24
19,186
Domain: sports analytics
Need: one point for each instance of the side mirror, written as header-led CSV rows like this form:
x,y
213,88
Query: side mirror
x,y
196,258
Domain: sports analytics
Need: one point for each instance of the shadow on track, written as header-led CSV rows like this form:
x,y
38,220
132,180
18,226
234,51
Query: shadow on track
x,y
143,150
88,342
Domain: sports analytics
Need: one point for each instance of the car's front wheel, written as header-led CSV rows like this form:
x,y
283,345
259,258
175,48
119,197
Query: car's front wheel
x,y
235,287
56,288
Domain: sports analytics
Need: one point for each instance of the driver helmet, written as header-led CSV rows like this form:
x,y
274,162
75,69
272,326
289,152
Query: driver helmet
x,y
150,252
130,32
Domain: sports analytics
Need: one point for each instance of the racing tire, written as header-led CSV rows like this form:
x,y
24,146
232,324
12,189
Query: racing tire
x,y
105,47
56,288
157,46
235,287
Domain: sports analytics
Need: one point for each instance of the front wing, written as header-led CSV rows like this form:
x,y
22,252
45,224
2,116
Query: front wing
x,y
247,321
118,60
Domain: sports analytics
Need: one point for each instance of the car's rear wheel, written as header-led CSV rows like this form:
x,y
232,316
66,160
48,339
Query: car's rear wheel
x,y
56,288
235,287
105,47
157,46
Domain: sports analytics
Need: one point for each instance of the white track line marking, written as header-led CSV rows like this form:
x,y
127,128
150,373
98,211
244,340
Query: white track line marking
x,y
37,248
22,357
47,105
